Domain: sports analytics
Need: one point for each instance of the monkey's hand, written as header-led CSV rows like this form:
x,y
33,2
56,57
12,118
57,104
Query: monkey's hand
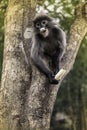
x,y
52,79
56,70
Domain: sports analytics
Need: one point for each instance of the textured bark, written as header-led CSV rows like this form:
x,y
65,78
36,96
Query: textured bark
x,y
16,72
26,97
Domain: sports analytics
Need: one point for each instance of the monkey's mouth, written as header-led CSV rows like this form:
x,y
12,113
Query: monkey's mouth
x,y
44,32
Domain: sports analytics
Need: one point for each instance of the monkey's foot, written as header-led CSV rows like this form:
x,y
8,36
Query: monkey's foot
x,y
54,81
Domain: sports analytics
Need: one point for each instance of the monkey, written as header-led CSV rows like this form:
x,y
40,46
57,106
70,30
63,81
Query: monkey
x,y
48,40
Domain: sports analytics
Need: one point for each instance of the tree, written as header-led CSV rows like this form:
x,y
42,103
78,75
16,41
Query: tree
x,y
26,97
3,5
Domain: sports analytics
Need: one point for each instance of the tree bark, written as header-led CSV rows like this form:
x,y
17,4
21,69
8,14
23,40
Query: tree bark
x,y
26,97
16,71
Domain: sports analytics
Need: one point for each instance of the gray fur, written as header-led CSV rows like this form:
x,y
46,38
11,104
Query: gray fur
x,y
48,40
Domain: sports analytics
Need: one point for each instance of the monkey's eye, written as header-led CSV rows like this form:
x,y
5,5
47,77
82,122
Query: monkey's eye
x,y
37,25
44,22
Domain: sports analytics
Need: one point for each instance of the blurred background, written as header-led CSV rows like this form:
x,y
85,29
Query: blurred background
x,y
70,110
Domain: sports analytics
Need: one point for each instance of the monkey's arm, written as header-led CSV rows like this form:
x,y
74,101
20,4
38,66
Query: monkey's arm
x,y
41,64
60,49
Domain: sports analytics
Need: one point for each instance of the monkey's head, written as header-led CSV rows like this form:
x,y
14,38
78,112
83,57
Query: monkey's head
x,y
42,25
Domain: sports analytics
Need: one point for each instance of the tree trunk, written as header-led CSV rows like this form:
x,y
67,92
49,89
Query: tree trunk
x,y
26,97
16,71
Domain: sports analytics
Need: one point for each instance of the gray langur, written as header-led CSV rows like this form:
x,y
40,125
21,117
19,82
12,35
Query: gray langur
x,y
48,40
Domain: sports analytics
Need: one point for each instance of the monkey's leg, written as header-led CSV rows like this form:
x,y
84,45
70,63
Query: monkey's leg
x,y
43,67
39,62
55,63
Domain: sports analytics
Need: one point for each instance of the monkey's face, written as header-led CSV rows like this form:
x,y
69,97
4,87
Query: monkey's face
x,y
41,27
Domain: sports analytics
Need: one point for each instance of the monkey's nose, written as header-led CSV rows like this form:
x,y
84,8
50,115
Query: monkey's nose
x,y
42,30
